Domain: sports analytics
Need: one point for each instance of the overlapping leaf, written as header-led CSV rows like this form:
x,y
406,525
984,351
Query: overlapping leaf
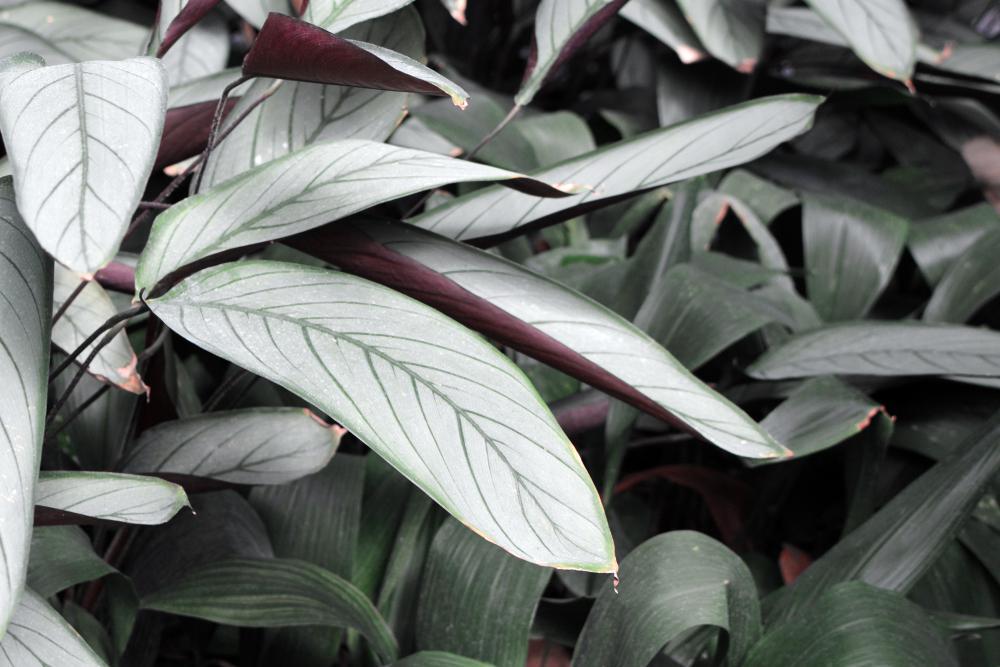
x,y
81,139
731,30
61,33
62,556
464,584
671,584
256,446
664,21
440,404
558,326
883,348
336,15
111,496
710,143
115,363
937,242
881,32
971,282
299,113
273,593
305,189
561,27
38,637
25,314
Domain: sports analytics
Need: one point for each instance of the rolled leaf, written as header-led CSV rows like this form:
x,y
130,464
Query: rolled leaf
x,y
556,325
883,348
466,585
273,593
25,316
81,140
670,584
305,189
38,637
187,17
706,144
440,404
116,362
322,57
111,496
561,27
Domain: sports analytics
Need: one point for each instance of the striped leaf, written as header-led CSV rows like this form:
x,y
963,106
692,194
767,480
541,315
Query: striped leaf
x,y
81,139
556,325
305,189
273,592
61,33
883,348
25,313
111,496
39,637
561,26
703,145
336,15
437,402
881,32
258,446
115,363
301,113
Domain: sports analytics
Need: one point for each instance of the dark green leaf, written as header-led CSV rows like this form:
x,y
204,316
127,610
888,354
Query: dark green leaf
x,y
972,280
62,556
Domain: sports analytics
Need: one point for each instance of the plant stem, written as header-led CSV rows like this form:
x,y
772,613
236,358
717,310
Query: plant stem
x,y
69,301
78,411
112,321
108,337
216,122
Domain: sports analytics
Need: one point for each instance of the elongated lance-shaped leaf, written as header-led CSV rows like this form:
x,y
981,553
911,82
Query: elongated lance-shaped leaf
x,y
881,32
437,402
706,144
38,636
273,593
336,15
62,33
670,584
305,189
561,27
731,30
81,140
111,496
937,242
176,17
856,624
322,57
62,556
557,325
257,446
903,539
438,659
883,348
25,314
115,363
465,584
299,113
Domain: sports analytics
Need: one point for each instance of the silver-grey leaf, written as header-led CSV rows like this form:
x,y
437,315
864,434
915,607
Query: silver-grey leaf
x,y
67,33
111,496
39,637
25,314
255,446
82,139
436,401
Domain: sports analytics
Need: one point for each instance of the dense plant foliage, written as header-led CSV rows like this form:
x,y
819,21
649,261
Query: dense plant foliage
x,y
590,332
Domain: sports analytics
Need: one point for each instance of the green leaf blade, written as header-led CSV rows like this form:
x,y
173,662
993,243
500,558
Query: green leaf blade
x,y
111,496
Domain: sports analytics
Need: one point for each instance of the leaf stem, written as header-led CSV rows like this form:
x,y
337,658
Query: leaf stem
x,y
111,322
69,300
216,122
108,337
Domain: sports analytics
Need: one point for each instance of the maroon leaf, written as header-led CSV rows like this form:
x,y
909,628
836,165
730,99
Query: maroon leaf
x,y
185,131
187,17
581,412
319,56
118,277
792,562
